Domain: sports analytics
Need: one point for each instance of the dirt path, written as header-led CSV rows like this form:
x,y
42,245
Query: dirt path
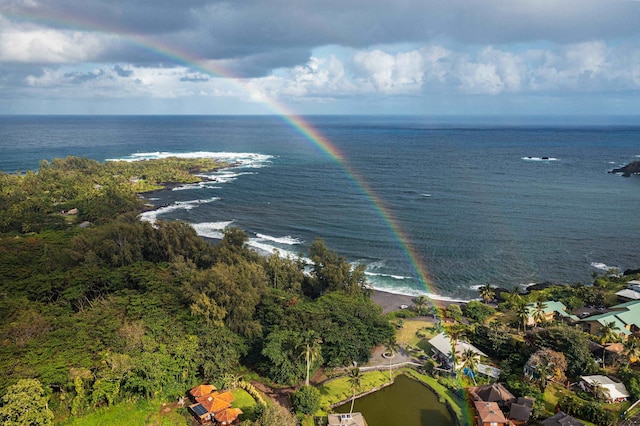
x,y
279,396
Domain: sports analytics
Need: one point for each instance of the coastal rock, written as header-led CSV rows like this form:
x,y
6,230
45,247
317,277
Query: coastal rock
x,y
631,272
538,286
498,291
629,169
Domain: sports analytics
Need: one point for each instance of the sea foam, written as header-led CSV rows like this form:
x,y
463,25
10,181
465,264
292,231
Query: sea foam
x,y
239,158
539,159
211,229
603,267
152,215
288,240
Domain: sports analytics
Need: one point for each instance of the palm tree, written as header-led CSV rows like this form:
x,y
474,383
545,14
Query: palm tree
x,y
390,346
543,369
455,332
487,293
599,391
632,349
522,315
608,334
421,302
355,380
538,313
514,297
310,349
470,361
494,327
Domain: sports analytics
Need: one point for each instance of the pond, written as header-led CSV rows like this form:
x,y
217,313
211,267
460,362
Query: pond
x,y
406,402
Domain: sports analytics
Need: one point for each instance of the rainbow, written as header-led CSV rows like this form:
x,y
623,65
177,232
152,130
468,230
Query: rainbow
x,y
295,121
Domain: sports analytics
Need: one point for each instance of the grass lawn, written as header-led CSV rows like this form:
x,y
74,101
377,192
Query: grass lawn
x,y
245,402
242,399
551,396
339,389
407,334
149,413
143,412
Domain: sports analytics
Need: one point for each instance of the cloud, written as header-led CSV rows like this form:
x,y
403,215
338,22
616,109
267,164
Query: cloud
x,y
318,51
579,68
254,37
122,81
28,44
432,69
391,74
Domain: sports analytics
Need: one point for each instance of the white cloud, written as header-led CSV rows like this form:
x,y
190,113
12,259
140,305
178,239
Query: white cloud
x,y
389,74
419,71
127,80
31,44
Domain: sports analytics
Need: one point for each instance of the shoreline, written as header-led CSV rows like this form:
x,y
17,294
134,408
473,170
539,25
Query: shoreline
x,y
392,301
387,300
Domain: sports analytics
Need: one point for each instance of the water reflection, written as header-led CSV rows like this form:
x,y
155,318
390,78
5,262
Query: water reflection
x,y
406,402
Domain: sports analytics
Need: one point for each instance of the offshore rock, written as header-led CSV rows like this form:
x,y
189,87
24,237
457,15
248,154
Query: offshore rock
x,y
629,169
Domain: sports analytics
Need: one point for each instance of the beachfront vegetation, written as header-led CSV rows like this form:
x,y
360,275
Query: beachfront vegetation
x,y
125,309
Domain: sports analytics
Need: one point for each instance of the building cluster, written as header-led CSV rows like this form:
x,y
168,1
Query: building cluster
x,y
212,407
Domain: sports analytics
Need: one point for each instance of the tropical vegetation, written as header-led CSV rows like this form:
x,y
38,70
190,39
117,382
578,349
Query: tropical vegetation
x,y
122,308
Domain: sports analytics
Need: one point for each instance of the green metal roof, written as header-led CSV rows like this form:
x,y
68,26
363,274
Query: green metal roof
x,y
552,306
623,314
627,305
608,317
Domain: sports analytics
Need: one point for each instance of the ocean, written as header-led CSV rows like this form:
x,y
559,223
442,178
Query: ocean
x,y
472,201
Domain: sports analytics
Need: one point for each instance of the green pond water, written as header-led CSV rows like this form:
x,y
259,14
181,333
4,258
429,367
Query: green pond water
x,y
404,403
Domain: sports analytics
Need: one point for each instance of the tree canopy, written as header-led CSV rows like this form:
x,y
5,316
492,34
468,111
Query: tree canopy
x,y
126,308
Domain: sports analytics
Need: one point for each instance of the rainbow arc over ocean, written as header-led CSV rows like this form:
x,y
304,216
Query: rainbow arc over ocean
x,y
295,121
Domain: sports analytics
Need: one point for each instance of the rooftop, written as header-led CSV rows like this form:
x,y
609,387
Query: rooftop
x,y
443,344
616,390
489,412
353,419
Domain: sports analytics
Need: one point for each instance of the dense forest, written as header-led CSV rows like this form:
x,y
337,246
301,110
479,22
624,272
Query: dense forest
x,y
98,306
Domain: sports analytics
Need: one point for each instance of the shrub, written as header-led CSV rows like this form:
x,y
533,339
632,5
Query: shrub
x,y
589,411
251,390
306,400
478,311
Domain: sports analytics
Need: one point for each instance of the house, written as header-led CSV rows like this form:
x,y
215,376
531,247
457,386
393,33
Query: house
x,y
200,413
520,411
631,293
561,419
442,348
228,416
489,371
494,392
489,414
352,419
202,390
626,316
213,403
210,405
615,391
552,310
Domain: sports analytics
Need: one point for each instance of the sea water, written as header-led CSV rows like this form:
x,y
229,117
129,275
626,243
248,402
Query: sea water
x,y
477,201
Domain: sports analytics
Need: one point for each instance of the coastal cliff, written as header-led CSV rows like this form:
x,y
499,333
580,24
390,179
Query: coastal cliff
x,y
629,169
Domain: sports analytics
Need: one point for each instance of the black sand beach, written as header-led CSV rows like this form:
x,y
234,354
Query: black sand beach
x,y
392,302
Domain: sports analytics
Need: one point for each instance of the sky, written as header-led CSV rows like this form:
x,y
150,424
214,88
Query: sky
x,y
438,57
